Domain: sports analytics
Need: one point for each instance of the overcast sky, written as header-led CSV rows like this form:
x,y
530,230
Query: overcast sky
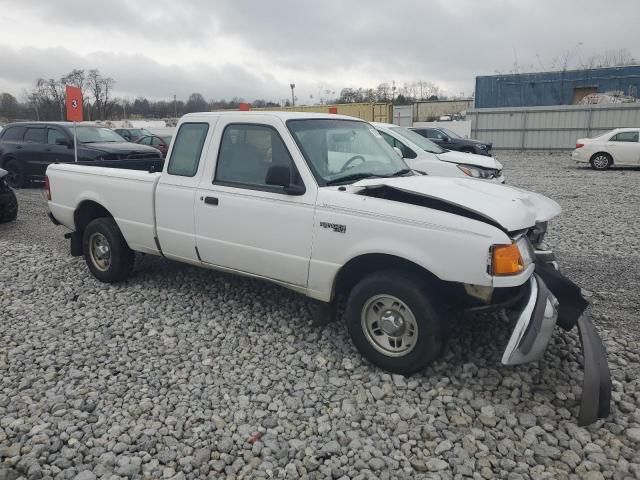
x,y
255,48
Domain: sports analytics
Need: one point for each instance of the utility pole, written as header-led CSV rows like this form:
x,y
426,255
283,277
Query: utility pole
x,y
175,107
293,98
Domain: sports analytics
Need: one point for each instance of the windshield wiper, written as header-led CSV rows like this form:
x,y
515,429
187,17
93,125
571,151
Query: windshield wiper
x,y
352,178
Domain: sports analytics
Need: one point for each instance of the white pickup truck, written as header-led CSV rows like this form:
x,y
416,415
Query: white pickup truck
x,y
321,204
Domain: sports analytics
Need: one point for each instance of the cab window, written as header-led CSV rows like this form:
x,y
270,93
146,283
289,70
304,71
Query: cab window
x,y
247,152
187,149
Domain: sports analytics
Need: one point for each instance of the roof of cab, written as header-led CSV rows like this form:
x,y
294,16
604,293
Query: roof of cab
x,y
284,116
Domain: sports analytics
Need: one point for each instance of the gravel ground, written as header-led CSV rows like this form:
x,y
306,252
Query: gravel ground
x,y
186,373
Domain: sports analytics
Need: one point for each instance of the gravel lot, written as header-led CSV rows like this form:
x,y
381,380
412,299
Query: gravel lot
x,y
186,373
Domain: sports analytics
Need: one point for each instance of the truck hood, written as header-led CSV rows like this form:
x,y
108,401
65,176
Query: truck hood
x,y
509,207
470,159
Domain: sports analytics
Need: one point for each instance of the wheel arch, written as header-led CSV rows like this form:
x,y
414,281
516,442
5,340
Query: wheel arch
x,y
87,211
368,263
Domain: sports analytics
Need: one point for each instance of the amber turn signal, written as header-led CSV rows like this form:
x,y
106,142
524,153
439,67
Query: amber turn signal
x,y
506,260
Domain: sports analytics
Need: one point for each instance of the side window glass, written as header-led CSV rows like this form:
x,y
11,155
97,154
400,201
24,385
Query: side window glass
x,y
625,137
247,152
388,138
53,135
34,135
187,149
155,141
406,151
13,133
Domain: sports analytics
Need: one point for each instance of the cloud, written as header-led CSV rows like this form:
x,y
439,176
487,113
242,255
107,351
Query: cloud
x,y
253,49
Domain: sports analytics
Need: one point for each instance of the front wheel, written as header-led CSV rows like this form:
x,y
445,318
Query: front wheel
x,y
106,252
394,323
601,161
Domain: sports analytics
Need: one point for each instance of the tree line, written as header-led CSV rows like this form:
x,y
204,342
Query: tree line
x,y
45,100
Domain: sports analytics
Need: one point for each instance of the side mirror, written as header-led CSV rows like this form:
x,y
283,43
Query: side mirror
x,y
280,176
398,151
63,141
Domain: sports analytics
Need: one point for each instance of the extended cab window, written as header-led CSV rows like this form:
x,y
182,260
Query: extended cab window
x,y
34,135
246,154
187,148
625,137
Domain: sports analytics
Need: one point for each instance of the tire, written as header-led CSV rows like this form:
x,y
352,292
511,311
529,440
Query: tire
x,y
9,211
16,177
601,161
106,252
399,300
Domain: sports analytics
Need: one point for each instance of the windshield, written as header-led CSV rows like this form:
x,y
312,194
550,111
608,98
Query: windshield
x,y
451,133
344,149
97,134
419,140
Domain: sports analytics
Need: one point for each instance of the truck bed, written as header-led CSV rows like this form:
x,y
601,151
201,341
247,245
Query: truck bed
x,y
127,194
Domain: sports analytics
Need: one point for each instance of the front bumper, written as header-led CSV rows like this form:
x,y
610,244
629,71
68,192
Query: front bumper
x,y
554,299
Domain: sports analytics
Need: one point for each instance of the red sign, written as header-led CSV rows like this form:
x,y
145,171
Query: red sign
x,y
74,104
245,107
333,110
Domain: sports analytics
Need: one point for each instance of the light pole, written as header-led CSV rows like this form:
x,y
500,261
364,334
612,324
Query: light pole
x,y
293,98
175,107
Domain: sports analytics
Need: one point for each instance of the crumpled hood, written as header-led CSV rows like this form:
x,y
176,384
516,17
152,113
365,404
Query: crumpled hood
x,y
510,207
470,159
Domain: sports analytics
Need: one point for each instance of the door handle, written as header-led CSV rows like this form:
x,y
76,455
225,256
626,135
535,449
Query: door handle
x,y
211,200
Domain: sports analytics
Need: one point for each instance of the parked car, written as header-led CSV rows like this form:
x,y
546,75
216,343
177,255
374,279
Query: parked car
x,y
619,147
424,155
450,140
27,148
8,200
132,134
320,204
155,141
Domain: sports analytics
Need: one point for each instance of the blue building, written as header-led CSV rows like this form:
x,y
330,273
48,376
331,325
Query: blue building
x,y
554,88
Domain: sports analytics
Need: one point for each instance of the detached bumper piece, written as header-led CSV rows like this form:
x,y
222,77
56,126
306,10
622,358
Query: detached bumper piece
x,y
554,299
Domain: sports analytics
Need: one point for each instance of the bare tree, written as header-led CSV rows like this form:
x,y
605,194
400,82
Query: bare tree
x,y
100,88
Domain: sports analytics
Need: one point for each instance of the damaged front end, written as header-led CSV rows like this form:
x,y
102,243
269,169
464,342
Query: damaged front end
x,y
550,298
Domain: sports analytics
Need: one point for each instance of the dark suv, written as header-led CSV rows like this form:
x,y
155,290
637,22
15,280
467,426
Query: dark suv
x,y
27,148
452,141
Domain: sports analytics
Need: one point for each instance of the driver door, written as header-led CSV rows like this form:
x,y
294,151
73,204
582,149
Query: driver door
x,y
244,224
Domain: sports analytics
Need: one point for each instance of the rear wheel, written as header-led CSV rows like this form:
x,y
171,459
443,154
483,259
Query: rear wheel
x,y
106,252
394,323
16,177
601,161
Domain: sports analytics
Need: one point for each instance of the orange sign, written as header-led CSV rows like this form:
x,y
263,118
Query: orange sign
x,y
245,107
74,104
333,110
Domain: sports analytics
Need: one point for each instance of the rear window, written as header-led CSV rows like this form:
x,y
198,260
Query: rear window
x,y
34,135
187,148
13,133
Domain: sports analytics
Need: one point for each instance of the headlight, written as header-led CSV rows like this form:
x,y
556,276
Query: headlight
x,y
477,172
526,250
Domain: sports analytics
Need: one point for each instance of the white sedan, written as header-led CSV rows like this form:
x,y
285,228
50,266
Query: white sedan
x,y
618,147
